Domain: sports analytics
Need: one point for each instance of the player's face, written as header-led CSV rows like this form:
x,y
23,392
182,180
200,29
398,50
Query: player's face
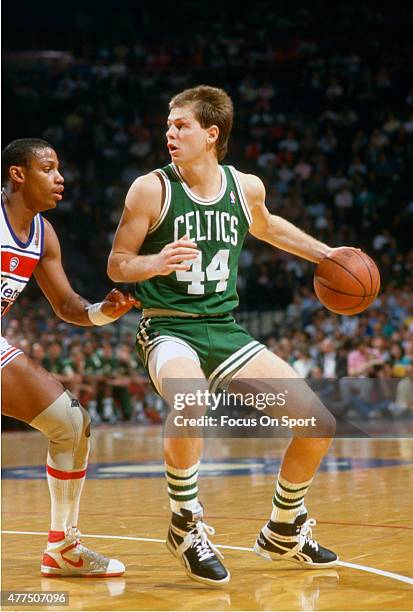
x,y
186,139
43,183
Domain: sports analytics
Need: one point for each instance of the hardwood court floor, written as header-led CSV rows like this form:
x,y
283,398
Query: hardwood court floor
x,y
362,501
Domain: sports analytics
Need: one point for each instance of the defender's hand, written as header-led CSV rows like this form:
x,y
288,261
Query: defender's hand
x,y
116,303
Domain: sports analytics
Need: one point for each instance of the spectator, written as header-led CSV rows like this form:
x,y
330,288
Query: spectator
x,y
303,364
332,364
404,395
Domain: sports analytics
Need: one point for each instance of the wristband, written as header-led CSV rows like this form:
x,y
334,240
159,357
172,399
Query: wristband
x,y
96,315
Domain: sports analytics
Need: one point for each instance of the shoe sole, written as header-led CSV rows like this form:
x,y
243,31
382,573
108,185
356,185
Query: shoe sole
x,y
56,573
216,583
275,557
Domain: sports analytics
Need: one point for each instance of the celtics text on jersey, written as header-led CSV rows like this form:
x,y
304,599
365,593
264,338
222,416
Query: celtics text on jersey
x,y
218,226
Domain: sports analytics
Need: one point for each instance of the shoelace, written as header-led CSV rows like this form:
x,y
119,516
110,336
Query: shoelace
x,y
73,534
199,540
305,534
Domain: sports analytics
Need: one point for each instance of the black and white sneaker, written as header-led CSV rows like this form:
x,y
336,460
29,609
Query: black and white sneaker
x,y
188,541
292,542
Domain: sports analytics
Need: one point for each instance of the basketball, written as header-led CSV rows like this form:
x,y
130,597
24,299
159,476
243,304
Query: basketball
x,y
347,281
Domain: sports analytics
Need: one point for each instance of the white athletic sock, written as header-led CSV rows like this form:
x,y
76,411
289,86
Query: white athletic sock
x,y
66,424
183,488
65,491
288,500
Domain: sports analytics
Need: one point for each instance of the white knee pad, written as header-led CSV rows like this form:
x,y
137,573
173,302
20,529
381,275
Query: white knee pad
x,y
163,352
67,426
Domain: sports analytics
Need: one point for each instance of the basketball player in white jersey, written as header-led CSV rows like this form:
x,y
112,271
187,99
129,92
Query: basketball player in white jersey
x,y
33,184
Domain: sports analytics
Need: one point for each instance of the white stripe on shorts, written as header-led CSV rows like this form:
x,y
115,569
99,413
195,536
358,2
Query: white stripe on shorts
x,y
8,352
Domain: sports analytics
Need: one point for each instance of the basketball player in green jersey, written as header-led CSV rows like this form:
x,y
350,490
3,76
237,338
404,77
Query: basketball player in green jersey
x,y
179,239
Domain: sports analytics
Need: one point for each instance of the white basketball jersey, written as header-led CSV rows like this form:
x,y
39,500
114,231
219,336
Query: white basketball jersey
x,y
18,259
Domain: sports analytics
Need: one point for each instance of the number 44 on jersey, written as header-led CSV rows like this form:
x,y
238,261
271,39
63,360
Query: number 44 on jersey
x,y
216,270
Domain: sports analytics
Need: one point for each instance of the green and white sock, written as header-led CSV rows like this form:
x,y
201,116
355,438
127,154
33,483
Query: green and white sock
x,y
288,500
183,487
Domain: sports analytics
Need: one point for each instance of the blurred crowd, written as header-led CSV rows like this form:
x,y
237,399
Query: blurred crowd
x,y
323,114
360,366
95,364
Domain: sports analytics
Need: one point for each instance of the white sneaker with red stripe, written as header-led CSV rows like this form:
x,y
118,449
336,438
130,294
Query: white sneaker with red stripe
x,y
68,557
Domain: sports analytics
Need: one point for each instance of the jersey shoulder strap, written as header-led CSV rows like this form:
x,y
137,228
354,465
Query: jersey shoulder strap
x,y
240,193
166,198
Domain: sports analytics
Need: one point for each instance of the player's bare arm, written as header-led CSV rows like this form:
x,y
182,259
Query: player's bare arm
x,y
66,303
141,211
274,229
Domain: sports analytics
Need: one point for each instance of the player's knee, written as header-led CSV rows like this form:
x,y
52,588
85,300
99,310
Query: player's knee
x,y
67,426
323,422
81,432
315,447
327,426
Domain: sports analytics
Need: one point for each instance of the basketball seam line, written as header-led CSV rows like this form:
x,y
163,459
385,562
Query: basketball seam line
x,y
347,270
368,270
343,292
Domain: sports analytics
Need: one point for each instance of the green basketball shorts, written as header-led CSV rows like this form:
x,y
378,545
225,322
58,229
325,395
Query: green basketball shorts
x,y
222,347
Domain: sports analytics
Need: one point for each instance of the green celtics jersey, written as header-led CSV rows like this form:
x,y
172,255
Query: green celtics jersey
x,y
218,226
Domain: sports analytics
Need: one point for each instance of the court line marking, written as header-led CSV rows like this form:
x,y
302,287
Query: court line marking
x,y
373,570
363,568
216,517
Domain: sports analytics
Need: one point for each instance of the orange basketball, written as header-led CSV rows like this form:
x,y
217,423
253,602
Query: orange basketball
x,y
347,281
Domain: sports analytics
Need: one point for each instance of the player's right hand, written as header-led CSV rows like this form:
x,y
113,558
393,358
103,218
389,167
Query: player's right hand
x,y
178,255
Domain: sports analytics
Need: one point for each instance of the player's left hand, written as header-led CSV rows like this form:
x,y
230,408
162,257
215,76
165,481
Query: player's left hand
x,y
116,303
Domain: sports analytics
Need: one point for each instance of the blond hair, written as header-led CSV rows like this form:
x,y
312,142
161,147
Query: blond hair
x,y
211,106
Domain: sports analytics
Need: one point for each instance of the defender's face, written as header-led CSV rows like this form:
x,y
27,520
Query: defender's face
x,y
43,183
186,139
